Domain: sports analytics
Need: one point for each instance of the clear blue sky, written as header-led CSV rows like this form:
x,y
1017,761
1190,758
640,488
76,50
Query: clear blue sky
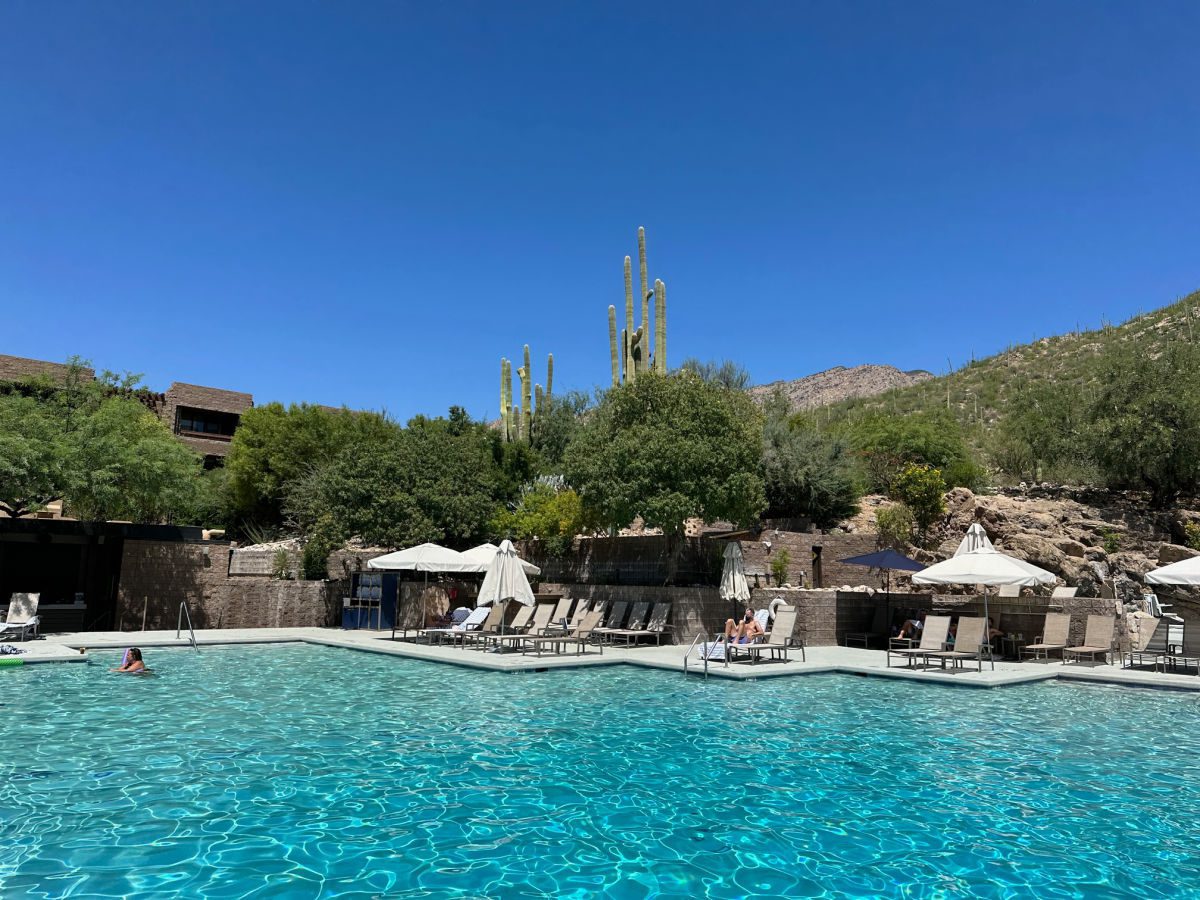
x,y
371,203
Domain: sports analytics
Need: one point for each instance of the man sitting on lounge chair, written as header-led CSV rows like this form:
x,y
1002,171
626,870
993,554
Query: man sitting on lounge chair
x,y
743,632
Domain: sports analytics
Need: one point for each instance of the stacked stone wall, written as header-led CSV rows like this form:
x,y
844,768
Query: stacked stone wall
x,y
157,576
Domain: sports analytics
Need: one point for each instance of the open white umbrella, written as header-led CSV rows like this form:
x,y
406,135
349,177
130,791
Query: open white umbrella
x,y
505,580
422,558
734,586
1184,572
977,562
485,553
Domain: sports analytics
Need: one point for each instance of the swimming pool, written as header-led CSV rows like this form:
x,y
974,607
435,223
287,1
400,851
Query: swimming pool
x,y
305,771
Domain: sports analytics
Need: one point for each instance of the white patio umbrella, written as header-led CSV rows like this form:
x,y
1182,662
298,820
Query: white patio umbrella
x,y
505,580
977,562
422,558
485,553
734,586
1184,572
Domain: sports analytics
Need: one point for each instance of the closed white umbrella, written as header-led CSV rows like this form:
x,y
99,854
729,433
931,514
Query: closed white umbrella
x,y
734,586
1186,571
977,562
505,579
485,553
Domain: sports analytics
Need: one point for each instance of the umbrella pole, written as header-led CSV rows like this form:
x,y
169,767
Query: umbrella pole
x,y
396,608
987,629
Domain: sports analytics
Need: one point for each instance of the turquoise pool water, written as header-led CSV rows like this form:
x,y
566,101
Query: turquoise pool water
x,y
301,771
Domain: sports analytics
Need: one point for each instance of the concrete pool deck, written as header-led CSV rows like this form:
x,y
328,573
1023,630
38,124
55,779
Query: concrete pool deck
x,y
847,660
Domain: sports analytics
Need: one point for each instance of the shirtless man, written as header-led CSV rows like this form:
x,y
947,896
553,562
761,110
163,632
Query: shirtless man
x,y
744,631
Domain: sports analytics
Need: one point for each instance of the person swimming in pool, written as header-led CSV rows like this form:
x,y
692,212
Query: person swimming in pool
x,y
133,663
742,632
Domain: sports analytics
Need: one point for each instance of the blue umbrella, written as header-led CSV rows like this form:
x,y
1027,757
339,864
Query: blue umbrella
x,y
886,560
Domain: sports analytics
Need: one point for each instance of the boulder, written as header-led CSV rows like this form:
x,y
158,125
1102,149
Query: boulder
x,y
1173,553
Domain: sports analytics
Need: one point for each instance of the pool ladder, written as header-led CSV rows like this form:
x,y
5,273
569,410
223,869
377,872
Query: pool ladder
x,y
687,656
185,612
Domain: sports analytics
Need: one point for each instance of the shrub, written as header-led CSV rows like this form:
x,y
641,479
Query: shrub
x,y
1191,533
922,489
895,524
281,565
1110,540
779,566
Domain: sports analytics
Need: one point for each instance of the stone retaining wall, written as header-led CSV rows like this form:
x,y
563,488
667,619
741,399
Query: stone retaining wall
x,y
157,576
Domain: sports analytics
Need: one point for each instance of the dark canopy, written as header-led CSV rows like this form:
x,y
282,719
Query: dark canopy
x,y
885,559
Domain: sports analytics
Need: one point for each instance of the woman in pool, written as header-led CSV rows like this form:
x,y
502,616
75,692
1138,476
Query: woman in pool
x,y
132,664
742,632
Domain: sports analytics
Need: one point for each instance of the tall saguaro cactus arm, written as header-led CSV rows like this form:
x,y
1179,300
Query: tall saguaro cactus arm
x,y
549,375
612,345
503,400
642,263
660,326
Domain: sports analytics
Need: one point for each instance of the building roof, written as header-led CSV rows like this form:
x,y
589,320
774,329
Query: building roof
x,y
14,367
199,397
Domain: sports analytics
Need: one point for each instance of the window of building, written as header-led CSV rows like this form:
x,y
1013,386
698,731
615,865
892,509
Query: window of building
x,y
205,422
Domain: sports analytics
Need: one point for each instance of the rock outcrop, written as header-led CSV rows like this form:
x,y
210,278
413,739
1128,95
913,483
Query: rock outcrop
x,y
840,383
1086,537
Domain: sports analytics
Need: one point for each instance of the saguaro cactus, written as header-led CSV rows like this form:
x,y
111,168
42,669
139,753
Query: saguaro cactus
x,y
612,345
503,399
641,348
527,397
549,375
660,326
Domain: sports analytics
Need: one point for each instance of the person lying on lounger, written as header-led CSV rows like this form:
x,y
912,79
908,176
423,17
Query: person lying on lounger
x,y
742,632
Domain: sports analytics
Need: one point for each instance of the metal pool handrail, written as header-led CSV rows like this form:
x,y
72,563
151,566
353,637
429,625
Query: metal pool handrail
x,y
184,611
691,647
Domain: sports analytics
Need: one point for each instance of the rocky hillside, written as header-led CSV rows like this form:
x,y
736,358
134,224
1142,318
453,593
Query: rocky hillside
x,y
1086,537
979,392
840,383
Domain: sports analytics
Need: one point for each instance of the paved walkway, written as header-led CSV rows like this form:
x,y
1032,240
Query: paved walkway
x,y
66,648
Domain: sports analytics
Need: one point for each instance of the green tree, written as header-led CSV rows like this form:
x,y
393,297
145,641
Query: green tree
x,y
547,511
888,443
127,465
274,446
430,481
726,373
895,523
668,447
557,422
1146,422
34,456
922,489
1043,430
806,472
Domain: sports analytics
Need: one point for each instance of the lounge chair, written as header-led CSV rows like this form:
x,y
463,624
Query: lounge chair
x,y
22,616
969,643
716,649
933,639
1097,639
1054,636
533,622
1063,593
879,628
655,626
637,618
472,622
615,618
1163,645
491,625
562,609
777,641
559,640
